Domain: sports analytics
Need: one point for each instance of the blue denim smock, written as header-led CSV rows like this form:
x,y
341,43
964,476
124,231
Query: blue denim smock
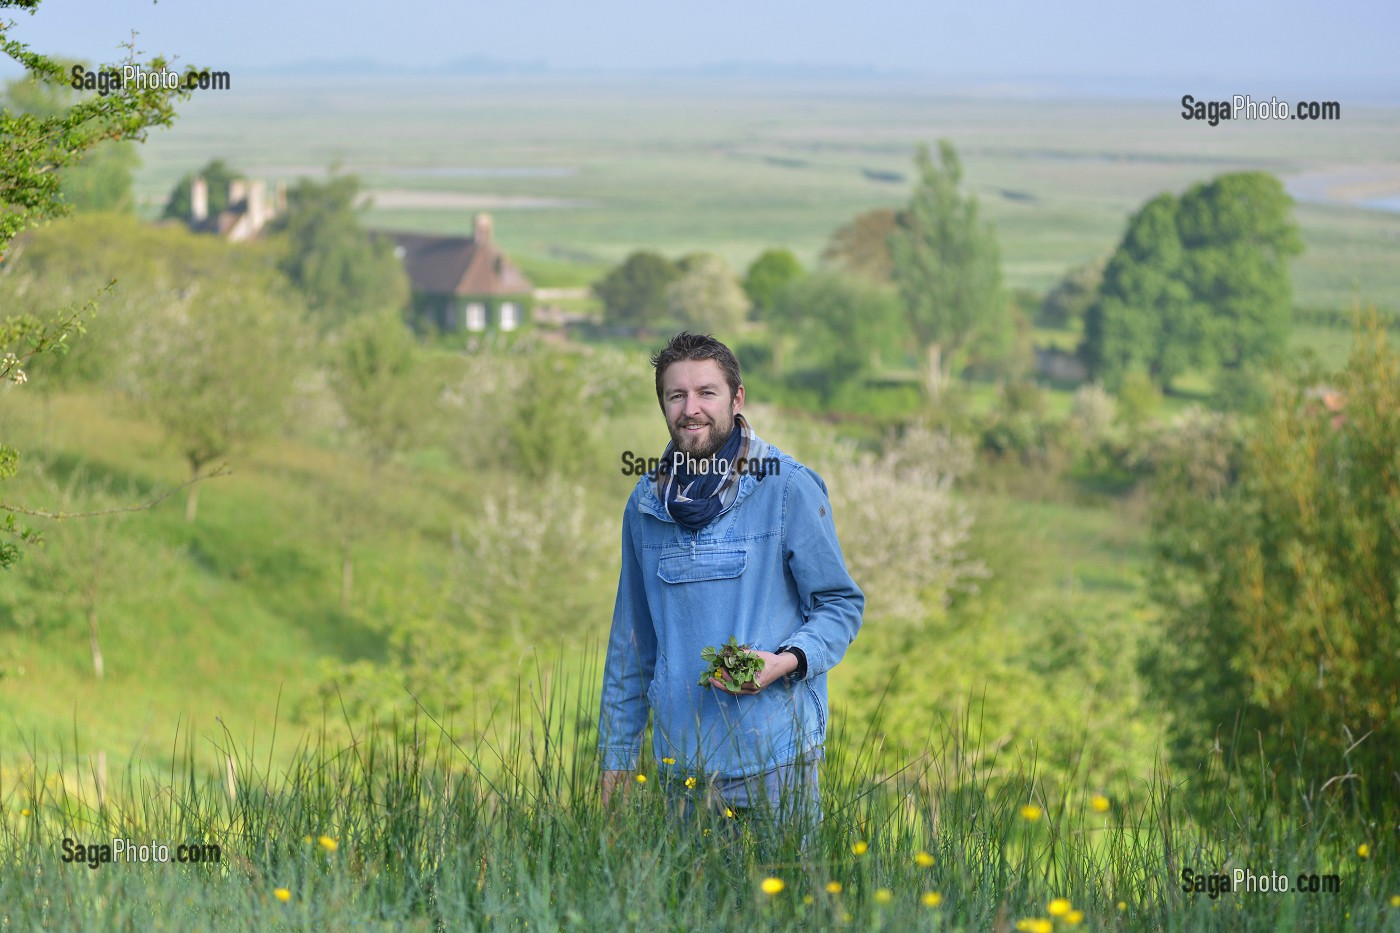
x,y
768,571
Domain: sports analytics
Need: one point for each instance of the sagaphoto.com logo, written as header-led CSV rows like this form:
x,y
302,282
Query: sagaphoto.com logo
x,y
106,80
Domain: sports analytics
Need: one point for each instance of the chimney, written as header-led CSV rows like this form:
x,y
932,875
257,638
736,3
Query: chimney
x,y
257,205
237,191
199,201
482,233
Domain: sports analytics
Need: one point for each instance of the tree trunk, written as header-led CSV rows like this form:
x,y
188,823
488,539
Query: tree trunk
x,y
97,666
192,501
933,378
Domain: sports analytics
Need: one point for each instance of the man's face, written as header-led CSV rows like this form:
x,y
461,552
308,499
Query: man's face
x,y
699,409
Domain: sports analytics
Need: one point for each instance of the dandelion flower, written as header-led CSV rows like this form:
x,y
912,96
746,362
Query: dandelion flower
x,y
931,899
1122,905
1030,812
1395,900
807,899
24,812
1100,803
282,894
690,782
923,859
729,812
668,761
883,895
833,887
1075,917
772,886
1058,907
641,779
1363,850
860,848
327,843
1035,925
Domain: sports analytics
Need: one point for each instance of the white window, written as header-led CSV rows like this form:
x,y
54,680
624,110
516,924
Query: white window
x,y
510,316
476,316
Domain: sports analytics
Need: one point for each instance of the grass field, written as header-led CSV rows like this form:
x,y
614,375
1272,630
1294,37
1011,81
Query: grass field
x,y
737,167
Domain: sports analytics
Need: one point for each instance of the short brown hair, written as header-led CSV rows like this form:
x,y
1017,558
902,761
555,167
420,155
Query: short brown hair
x,y
687,346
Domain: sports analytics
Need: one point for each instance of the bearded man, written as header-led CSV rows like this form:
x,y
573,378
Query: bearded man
x,y
729,537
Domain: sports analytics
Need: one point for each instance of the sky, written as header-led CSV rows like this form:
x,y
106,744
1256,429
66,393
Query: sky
x,y
1348,47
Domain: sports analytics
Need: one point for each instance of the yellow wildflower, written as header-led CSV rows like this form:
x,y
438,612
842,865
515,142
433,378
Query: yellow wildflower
x,y
641,779
923,859
931,899
772,885
807,899
1058,907
1395,900
690,782
1363,850
1100,803
24,812
1030,812
729,812
861,847
1122,905
668,761
282,894
833,887
1035,925
883,895
327,843
1075,917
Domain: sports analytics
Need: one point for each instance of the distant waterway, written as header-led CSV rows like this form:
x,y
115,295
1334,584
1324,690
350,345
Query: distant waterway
x,y
1374,188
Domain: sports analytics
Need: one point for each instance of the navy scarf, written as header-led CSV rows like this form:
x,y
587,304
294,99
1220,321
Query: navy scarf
x,y
694,498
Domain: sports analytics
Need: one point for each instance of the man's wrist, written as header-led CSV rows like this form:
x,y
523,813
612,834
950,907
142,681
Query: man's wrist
x,y
800,672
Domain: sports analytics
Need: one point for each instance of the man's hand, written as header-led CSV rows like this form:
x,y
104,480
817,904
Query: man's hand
x,y
775,667
611,781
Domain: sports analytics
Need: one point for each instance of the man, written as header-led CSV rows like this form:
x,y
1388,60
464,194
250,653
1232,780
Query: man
x,y
728,537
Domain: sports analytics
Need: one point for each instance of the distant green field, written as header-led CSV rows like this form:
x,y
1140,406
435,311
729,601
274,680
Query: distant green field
x,y
607,166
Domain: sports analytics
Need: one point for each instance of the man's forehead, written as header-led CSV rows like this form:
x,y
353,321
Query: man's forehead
x,y
693,374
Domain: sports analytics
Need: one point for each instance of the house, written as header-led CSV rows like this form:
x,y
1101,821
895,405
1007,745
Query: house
x,y
248,211
464,283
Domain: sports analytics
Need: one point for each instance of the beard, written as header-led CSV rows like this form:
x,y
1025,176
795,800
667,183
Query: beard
x,y
700,445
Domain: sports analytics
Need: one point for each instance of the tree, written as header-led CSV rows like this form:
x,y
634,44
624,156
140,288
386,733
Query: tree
x,y
634,291
862,246
36,152
767,275
1065,305
1146,318
1239,235
1274,566
707,297
836,325
376,374
1197,282
947,267
341,269
217,175
218,355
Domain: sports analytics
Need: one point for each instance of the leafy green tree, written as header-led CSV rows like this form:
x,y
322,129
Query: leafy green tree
x,y
1197,283
707,296
634,291
219,353
36,152
947,266
1146,318
1239,235
862,247
835,325
341,269
1275,569
767,275
217,175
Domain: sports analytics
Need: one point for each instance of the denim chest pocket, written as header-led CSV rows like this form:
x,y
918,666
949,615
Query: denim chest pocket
x,y
701,565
